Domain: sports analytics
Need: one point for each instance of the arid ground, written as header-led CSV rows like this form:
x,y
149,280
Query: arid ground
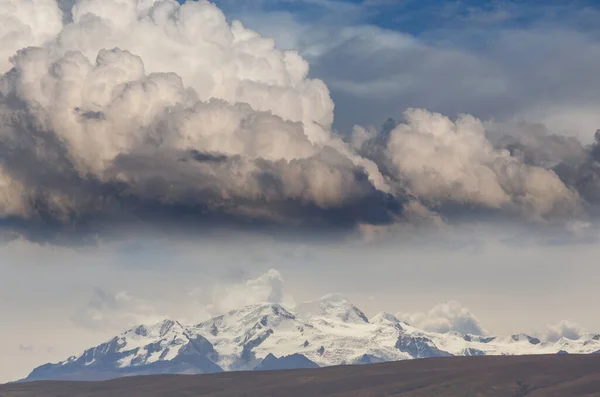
x,y
514,376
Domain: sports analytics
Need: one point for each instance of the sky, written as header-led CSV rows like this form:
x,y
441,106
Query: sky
x,y
436,160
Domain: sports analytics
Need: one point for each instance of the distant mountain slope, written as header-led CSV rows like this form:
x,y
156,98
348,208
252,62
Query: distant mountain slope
x,y
330,331
293,361
516,376
165,348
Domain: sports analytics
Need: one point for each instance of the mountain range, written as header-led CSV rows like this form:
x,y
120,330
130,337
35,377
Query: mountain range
x,y
267,336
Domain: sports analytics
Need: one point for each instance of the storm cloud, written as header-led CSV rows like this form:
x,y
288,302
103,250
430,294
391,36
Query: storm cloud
x,y
134,114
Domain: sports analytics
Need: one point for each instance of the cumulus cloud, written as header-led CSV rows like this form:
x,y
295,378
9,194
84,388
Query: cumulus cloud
x,y
444,318
534,144
439,159
266,288
225,125
563,329
25,23
506,61
121,115
111,311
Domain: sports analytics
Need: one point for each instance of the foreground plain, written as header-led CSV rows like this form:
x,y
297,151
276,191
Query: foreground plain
x,y
506,376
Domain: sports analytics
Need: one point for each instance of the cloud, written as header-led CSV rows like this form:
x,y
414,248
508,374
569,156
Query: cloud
x,y
132,115
26,348
26,23
440,159
507,61
268,287
226,127
534,144
563,329
500,80
108,311
444,318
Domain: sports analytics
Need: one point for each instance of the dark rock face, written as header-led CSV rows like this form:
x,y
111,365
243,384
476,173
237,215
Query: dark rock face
x,y
356,312
368,359
247,353
477,338
531,339
473,352
294,361
419,347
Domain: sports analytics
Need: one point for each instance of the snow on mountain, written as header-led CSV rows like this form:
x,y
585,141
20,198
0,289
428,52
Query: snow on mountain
x,y
332,306
166,347
241,335
329,331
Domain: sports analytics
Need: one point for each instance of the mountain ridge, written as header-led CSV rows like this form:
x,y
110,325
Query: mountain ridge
x,y
327,332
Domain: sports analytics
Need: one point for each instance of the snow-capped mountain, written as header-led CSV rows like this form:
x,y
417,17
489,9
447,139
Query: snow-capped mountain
x,y
167,347
329,331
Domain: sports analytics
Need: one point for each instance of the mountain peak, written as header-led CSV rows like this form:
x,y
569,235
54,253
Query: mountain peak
x,y
157,330
333,306
293,361
384,317
327,331
256,316
334,297
258,310
525,338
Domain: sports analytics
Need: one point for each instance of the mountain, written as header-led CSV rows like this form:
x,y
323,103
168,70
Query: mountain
x,y
329,331
293,361
165,348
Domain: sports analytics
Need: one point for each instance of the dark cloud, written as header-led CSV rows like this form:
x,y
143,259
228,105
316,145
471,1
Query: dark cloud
x,y
97,142
578,165
170,190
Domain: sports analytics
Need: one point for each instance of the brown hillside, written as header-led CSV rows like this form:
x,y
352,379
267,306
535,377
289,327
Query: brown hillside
x,y
508,376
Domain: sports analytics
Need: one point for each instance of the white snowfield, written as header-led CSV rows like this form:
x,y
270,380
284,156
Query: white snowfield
x,y
330,331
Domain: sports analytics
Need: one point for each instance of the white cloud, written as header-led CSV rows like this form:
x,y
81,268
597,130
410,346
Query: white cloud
x,y
114,312
472,63
441,159
444,318
268,287
178,80
169,114
108,311
26,23
564,329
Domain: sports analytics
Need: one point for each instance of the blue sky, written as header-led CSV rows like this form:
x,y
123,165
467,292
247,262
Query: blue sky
x,y
498,60
420,17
